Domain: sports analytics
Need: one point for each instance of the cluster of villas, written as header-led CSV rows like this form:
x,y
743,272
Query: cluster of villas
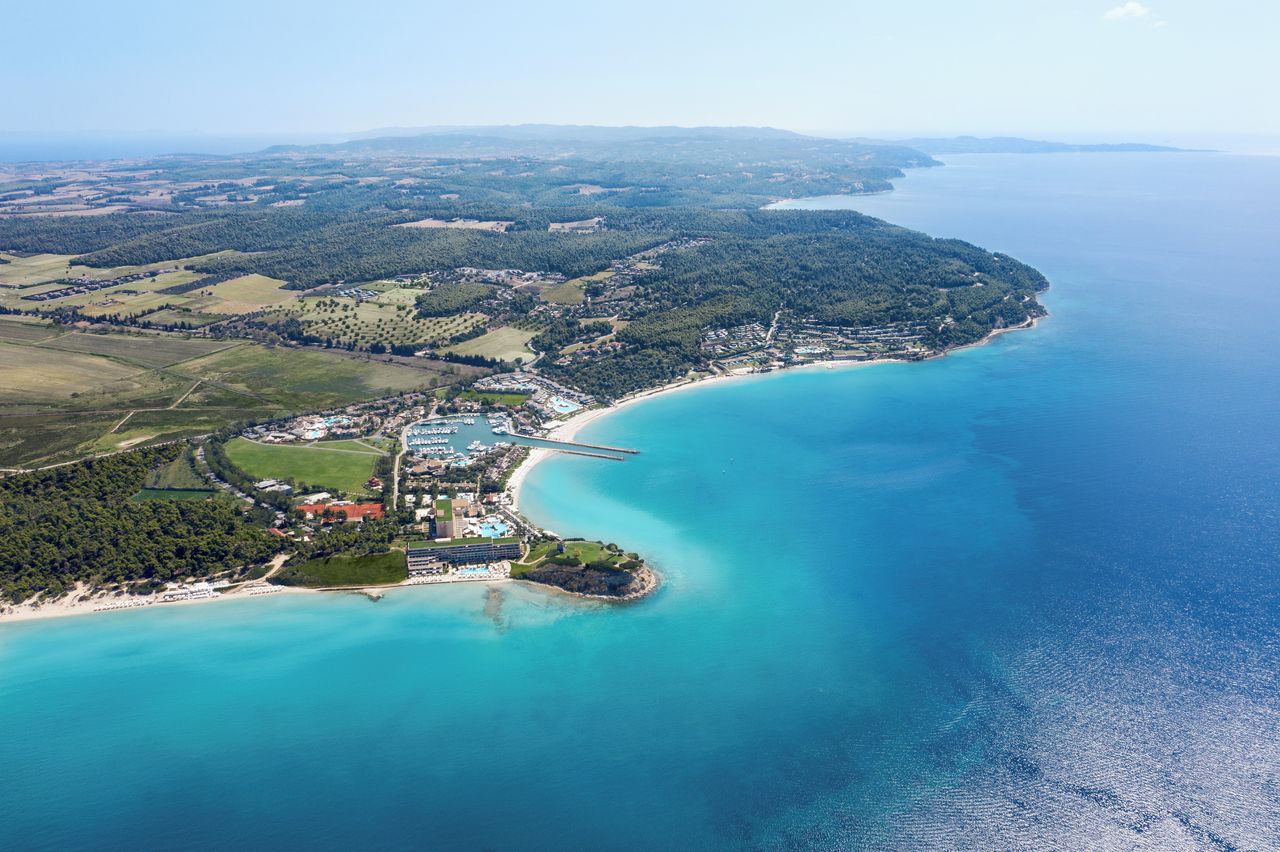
x,y
311,428
548,398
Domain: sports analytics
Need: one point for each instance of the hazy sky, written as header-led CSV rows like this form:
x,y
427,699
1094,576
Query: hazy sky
x,y
1066,68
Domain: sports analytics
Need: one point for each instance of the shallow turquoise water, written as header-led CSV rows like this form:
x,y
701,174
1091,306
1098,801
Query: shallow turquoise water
x,y
1023,596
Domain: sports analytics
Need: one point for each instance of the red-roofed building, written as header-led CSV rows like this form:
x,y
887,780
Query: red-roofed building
x,y
353,511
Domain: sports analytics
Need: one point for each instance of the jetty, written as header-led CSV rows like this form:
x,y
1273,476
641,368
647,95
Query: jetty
x,y
586,446
585,453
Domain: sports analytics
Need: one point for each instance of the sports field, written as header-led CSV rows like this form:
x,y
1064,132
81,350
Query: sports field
x,y
343,468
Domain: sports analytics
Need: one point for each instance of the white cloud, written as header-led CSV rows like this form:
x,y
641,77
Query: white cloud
x,y
1133,11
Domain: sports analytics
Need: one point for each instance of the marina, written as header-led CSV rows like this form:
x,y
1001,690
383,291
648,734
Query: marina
x,y
459,440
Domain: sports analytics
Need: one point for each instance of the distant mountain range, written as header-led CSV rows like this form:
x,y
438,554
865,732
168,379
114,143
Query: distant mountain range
x,y
718,146
1015,145
688,144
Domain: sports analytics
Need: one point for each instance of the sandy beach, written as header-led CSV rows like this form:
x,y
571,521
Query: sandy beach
x,y
78,604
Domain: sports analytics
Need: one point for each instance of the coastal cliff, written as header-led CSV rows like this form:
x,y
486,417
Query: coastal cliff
x,y
592,581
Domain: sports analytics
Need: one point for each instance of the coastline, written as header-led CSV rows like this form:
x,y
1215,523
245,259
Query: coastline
x,y
70,606
78,603
567,430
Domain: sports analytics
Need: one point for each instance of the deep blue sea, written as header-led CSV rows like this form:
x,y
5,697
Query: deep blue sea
x,y
1024,596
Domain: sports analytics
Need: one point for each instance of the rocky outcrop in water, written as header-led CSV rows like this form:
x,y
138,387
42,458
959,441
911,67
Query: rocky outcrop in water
x,y
595,581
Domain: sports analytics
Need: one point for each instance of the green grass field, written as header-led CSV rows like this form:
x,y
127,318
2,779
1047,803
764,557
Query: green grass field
x,y
374,569
333,468
584,551
573,292
511,399
506,344
25,271
172,316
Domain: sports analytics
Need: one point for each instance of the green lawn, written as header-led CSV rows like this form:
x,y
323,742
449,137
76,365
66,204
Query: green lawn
x,y
444,510
374,569
341,469
511,399
585,552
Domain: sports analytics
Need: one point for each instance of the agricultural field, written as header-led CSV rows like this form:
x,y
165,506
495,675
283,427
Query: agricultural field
x,y
346,321
26,329
149,350
174,316
80,393
26,271
40,273
29,374
310,379
506,344
246,294
319,465
27,439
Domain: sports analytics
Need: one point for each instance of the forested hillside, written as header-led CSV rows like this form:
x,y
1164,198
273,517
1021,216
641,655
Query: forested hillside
x,y
78,524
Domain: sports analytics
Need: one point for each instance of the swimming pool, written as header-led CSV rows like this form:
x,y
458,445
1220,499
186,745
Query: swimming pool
x,y
494,529
563,406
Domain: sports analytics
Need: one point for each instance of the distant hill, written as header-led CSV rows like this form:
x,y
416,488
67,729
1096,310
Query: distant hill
x,y
721,146
1015,145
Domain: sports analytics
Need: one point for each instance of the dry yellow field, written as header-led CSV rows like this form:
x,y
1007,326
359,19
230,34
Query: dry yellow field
x,y
245,294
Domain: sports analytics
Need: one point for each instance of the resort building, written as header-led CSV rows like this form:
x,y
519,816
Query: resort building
x,y
424,555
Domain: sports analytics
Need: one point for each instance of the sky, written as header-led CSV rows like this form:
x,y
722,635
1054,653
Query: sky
x,y
1157,71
